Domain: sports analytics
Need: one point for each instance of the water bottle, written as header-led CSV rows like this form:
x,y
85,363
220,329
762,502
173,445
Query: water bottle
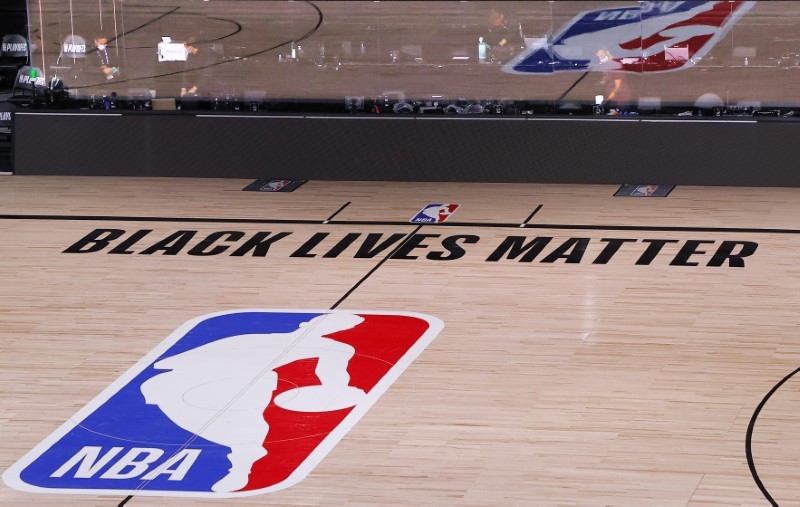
x,y
482,50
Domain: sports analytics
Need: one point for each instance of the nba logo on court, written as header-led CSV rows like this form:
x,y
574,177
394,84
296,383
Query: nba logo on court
x,y
275,185
645,190
231,404
434,213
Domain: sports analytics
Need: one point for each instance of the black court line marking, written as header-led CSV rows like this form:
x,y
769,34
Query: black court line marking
x,y
238,29
349,292
375,268
573,86
749,438
320,19
475,225
337,212
451,224
128,32
523,224
121,35
144,25
238,25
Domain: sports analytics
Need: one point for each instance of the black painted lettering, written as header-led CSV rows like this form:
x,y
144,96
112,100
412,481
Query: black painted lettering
x,y
654,247
686,251
515,246
610,249
172,244
571,251
207,247
735,260
134,238
342,245
455,250
413,243
305,249
95,241
259,244
368,249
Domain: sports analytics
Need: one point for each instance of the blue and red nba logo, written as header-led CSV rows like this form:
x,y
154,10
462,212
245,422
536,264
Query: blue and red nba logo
x,y
231,404
275,185
434,213
644,190
650,37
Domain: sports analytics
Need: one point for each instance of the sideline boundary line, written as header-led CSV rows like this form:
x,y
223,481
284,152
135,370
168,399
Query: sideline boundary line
x,y
477,225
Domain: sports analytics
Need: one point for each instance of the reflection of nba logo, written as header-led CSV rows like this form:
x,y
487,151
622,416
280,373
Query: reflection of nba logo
x,y
275,185
231,404
644,38
434,213
645,190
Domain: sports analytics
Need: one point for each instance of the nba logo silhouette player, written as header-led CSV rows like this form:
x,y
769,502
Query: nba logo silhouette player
x,y
275,185
233,403
221,390
434,213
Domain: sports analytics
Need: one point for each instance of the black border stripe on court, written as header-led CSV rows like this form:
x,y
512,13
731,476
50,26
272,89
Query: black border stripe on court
x,y
534,212
327,220
517,225
375,268
345,296
749,438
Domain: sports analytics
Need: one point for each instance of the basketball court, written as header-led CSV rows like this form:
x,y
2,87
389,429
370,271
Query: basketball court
x,y
573,368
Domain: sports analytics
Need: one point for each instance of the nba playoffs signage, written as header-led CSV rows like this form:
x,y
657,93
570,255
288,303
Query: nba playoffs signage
x,y
646,38
14,46
74,46
6,113
30,77
231,404
404,246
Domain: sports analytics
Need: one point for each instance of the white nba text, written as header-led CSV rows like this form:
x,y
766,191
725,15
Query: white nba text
x,y
137,462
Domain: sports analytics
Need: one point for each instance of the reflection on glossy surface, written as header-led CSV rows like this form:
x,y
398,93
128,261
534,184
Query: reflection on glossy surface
x,y
741,52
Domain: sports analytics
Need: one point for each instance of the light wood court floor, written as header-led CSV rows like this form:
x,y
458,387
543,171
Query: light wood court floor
x,y
567,372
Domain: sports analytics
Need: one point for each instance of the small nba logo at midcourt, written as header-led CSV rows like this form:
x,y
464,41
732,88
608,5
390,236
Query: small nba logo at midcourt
x,y
231,404
434,213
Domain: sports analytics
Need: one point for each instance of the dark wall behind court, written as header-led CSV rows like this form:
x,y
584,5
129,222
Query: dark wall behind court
x,y
13,20
403,148
13,17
